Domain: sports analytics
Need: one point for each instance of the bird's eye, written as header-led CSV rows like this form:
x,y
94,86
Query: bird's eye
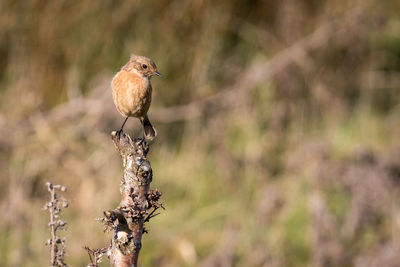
x,y
144,66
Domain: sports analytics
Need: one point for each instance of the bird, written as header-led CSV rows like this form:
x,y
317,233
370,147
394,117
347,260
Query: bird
x,y
132,90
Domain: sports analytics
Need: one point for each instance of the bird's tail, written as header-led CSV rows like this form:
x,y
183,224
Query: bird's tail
x,y
149,132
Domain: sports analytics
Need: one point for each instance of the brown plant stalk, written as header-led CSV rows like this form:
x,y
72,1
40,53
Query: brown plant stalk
x,y
138,203
54,206
95,255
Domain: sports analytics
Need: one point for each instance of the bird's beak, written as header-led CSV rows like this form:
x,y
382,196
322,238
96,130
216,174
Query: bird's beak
x,y
157,73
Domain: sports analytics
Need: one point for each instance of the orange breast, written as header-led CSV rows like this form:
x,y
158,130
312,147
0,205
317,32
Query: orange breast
x,y
131,94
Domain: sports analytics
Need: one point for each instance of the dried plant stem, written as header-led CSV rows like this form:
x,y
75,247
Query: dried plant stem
x,y
55,205
138,202
138,205
97,255
53,250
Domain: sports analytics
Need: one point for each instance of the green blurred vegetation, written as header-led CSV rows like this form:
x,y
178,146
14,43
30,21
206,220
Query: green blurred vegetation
x,y
278,123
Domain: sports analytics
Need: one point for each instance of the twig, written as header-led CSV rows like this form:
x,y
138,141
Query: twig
x,y
151,215
55,205
97,255
153,198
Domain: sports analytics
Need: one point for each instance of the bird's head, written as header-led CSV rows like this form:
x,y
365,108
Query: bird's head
x,y
143,65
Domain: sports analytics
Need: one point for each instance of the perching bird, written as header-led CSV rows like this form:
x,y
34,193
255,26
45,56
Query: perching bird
x,y
132,89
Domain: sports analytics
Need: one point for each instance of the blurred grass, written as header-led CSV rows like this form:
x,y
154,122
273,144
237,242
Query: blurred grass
x,y
300,169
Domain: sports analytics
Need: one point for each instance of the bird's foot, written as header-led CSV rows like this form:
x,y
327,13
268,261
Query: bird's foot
x,y
142,141
118,133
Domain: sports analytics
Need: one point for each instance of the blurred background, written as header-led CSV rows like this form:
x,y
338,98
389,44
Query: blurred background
x,y
278,128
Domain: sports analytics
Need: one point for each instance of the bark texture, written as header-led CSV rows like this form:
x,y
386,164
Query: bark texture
x,y
129,217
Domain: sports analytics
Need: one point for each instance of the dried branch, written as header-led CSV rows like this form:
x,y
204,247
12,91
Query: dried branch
x,y
95,255
54,206
153,197
138,204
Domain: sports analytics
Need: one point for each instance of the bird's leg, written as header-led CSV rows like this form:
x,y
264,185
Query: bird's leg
x,y
118,133
143,138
